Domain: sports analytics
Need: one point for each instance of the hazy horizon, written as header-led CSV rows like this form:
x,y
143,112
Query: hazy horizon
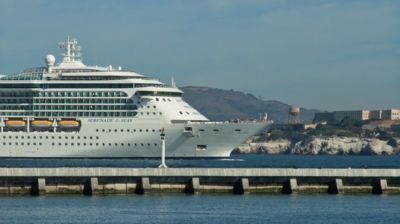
x,y
327,55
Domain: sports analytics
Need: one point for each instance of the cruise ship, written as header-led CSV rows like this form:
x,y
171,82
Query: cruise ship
x,y
71,110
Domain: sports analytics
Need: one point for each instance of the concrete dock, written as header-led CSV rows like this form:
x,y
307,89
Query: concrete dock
x,y
100,180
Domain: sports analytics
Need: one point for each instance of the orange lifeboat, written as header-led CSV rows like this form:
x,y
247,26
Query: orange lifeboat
x,y
15,123
69,123
41,123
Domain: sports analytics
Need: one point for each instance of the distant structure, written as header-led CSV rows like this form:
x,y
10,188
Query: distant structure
x,y
361,115
294,115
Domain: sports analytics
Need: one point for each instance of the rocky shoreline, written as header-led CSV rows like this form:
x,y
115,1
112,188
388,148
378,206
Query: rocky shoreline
x,y
321,146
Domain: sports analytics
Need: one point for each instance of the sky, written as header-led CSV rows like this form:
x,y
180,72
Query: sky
x,y
328,55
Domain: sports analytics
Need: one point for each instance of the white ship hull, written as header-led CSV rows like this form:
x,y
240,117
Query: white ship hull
x,y
130,138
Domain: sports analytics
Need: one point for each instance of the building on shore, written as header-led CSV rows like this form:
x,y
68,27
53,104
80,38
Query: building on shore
x,y
360,115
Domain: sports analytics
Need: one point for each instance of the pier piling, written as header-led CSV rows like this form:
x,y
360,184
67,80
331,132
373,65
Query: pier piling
x,y
100,180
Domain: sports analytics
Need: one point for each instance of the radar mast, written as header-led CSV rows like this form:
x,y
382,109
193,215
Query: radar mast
x,y
72,50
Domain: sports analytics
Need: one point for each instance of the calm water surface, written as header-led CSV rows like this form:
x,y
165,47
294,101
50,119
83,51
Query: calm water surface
x,y
222,209
314,161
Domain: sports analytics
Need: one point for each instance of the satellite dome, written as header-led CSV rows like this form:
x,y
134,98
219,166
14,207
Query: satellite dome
x,y
50,60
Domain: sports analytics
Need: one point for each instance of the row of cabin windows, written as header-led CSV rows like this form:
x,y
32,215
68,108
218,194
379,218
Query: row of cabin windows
x,y
51,137
83,144
65,101
68,107
69,114
127,130
66,85
64,94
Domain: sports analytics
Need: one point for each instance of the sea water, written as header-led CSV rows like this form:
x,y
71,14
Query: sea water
x,y
219,208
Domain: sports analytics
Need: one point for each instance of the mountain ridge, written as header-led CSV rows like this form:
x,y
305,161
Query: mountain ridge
x,y
220,104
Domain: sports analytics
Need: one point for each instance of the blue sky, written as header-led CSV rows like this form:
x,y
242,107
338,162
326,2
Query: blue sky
x,y
316,54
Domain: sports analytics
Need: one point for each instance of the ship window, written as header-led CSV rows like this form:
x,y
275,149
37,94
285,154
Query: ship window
x,y
109,144
141,144
237,129
201,129
9,143
90,144
215,130
4,143
155,144
180,112
52,143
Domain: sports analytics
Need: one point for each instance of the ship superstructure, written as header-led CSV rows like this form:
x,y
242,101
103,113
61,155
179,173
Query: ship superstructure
x,y
72,110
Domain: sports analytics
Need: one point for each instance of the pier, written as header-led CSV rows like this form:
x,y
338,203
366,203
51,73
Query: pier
x,y
101,180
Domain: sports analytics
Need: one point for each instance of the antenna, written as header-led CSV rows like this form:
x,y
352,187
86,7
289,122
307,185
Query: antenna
x,y
173,82
72,50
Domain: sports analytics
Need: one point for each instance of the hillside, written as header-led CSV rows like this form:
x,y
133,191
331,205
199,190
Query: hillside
x,y
219,104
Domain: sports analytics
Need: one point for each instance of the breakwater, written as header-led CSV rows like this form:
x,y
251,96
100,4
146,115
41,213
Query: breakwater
x,y
101,180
